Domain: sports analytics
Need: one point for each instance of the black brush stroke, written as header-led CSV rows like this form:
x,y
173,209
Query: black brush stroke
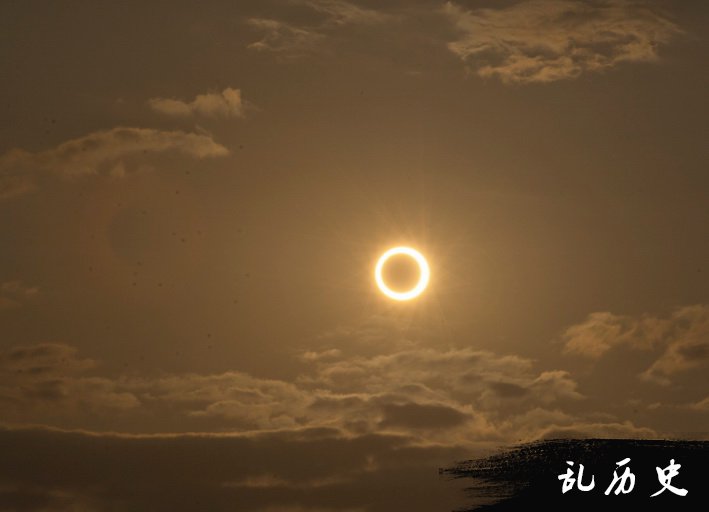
x,y
526,477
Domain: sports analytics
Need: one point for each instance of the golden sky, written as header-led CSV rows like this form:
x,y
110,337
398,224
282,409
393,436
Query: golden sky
x,y
193,198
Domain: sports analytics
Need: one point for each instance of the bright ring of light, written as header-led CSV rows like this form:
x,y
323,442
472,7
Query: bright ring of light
x,y
424,273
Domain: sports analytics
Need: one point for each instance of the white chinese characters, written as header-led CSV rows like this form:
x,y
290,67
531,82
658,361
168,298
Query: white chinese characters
x,y
569,480
626,478
665,477
623,483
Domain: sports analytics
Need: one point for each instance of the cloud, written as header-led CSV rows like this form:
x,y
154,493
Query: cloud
x,y
12,185
625,430
602,331
297,39
681,340
455,397
687,344
18,289
417,416
462,375
393,390
438,395
339,12
701,405
236,399
383,376
449,397
41,381
313,355
15,293
42,359
350,428
98,152
548,40
227,103
283,38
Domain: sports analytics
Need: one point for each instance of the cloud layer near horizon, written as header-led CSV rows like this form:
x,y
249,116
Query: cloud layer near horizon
x,y
442,395
362,419
307,470
364,415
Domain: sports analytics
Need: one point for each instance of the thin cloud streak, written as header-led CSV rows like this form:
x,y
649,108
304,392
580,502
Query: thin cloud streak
x,y
226,104
100,152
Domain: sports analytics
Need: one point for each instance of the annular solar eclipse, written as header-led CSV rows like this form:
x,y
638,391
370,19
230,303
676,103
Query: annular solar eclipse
x,y
418,288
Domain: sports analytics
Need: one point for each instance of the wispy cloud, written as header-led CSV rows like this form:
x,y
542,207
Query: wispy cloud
x,y
680,340
549,40
687,345
283,38
92,153
297,39
15,183
701,405
340,12
14,293
227,103
98,152
50,377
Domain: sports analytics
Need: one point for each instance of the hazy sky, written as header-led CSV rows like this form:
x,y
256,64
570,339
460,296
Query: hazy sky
x,y
193,198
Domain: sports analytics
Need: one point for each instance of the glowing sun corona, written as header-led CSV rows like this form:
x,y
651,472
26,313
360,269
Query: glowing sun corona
x,y
424,273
